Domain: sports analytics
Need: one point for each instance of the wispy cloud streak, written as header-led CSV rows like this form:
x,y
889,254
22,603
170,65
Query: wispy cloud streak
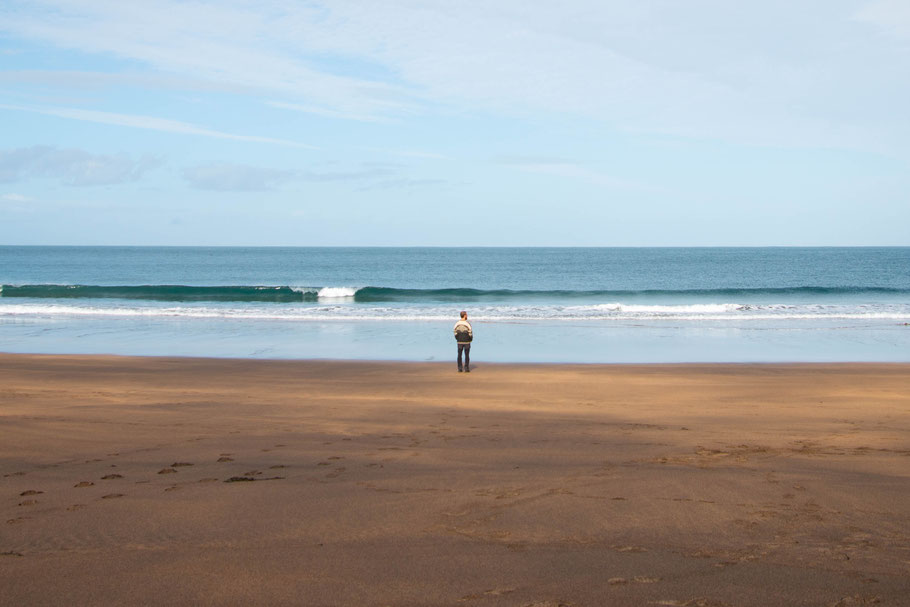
x,y
151,123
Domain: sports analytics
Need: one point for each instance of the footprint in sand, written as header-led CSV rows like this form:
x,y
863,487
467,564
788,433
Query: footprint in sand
x,y
851,601
180,464
276,467
30,492
617,581
172,488
486,593
28,502
111,496
207,480
225,458
83,484
18,519
629,549
167,471
109,477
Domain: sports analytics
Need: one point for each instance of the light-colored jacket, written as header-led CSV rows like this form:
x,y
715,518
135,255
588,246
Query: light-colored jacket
x,y
462,324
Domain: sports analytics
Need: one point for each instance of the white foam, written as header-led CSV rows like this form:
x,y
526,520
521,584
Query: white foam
x,y
337,292
490,313
676,310
328,292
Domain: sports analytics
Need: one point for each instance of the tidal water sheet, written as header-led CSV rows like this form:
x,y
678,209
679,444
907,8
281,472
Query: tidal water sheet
x,y
527,304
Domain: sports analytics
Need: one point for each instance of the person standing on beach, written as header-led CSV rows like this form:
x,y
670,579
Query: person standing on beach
x,y
464,335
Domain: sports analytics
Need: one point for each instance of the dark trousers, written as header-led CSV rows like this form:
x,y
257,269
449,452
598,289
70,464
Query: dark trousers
x,y
466,348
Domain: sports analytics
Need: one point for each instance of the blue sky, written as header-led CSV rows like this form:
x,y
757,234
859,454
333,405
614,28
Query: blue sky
x,y
403,122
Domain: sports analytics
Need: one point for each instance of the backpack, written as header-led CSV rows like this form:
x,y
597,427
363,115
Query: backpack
x,y
463,334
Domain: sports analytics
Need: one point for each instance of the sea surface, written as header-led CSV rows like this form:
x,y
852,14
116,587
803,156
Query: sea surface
x,y
526,304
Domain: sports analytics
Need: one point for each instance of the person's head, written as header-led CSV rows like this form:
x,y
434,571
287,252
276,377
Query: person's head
x,y
464,315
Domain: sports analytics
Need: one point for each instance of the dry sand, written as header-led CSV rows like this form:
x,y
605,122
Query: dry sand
x,y
411,484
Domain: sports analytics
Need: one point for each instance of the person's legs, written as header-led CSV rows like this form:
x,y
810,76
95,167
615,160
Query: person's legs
x,y
460,350
467,358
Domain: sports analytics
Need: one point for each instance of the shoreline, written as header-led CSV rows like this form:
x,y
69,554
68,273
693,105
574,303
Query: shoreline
x,y
256,481
439,362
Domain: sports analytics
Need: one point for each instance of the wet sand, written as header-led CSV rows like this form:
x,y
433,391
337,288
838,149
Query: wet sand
x,y
214,482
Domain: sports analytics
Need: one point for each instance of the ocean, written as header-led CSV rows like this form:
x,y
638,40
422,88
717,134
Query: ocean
x,y
611,305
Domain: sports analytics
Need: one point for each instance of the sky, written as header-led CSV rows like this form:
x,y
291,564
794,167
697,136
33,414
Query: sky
x,y
468,123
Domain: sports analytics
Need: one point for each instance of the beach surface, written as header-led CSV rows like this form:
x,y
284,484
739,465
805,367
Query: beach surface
x,y
249,482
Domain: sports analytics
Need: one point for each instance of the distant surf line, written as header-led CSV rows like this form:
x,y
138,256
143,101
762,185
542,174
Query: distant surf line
x,y
373,294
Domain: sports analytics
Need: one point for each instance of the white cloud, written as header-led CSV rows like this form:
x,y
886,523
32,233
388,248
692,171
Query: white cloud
x,y
147,122
572,170
762,73
82,79
13,197
72,166
366,172
421,154
329,113
267,46
405,183
889,15
227,177
235,177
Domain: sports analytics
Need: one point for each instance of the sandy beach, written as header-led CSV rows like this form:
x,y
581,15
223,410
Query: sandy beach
x,y
214,482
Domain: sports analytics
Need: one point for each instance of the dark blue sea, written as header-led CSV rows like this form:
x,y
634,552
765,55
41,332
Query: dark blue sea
x,y
526,304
